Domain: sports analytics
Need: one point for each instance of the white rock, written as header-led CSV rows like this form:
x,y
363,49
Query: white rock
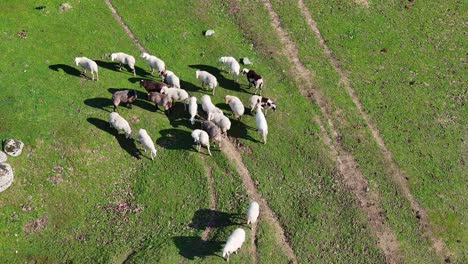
x,y
3,156
13,147
6,176
209,32
246,61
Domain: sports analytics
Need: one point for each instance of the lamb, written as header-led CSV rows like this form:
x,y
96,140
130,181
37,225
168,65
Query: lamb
x,y
209,107
193,109
212,129
170,78
123,58
87,64
261,122
147,142
254,79
265,102
221,121
234,243
160,99
152,86
201,138
125,96
233,65
176,94
253,212
119,123
236,105
154,62
207,78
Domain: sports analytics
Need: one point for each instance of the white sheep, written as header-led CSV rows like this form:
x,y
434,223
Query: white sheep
x,y
147,142
221,121
119,123
169,78
123,58
262,125
201,138
265,102
236,105
154,62
177,94
234,243
233,65
207,78
208,106
87,64
193,109
253,212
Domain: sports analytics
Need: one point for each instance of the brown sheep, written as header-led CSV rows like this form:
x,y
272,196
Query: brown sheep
x,y
152,86
125,96
160,99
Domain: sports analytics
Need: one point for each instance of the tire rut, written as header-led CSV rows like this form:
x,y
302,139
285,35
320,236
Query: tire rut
x,y
398,176
212,195
236,159
352,177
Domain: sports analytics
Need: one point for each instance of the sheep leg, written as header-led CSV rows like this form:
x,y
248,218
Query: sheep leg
x,y
151,70
115,108
214,90
134,72
97,76
208,147
129,105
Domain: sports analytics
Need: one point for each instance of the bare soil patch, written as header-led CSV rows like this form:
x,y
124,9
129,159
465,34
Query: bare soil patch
x,y
36,225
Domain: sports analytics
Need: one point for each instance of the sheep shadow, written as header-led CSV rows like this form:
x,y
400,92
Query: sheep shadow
x,y
223,106
128,144
204,218
239,130
188,86
222,81
176,139
67,69
141,101
114,66
99,103
193,246
138,79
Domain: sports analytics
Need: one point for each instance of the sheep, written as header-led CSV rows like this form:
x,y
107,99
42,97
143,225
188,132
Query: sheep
x,y
201,138
176,94
193,109
253,212
207,78
160,99
147,142
152,86
119,123
233,65
261,122
212,129
87,64
125,96
170,78
221,121
254,79
154,62
236,105
208,106
123,58
234,243
265,102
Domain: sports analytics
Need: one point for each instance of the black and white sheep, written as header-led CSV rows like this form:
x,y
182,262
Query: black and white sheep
x,y
254,79
265,103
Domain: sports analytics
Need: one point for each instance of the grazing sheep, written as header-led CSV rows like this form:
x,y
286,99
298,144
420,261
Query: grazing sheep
x,y
234,243
207,78
176,94
233,65
123,58
87,64
265,102
119,123
254,79
253,212
125,96
208,106
261,122
221,121
170,78
152,86
212,129
193,109
154,62
147,142
236,105
201,138
160,99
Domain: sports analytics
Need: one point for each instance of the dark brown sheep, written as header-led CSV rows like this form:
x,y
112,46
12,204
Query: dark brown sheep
x,y
160,99
152,86
212,129
125,96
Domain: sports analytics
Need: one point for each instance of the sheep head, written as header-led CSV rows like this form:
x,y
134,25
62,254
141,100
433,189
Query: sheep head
x,y
245,71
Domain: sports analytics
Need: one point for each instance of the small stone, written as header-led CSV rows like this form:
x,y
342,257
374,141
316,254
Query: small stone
x,y
6,176
3,156
13,147
209,32
64,7
246,61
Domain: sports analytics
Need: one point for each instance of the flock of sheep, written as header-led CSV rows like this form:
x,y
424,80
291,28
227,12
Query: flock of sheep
x,y
216,125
